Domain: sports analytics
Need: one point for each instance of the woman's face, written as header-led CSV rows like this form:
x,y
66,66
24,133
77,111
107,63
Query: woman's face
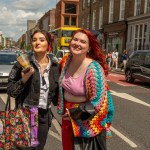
x,y
39,43
79,44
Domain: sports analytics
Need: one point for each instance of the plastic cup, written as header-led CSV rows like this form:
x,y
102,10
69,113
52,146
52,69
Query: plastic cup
x,y
24,62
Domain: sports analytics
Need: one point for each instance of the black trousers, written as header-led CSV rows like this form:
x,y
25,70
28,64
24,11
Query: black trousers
x,y
44,120
93,143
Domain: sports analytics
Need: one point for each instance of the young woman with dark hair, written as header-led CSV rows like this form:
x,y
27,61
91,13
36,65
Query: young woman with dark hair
x,y
85,102
39,86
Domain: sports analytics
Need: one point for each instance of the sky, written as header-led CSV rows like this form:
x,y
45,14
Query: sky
x,y
15,13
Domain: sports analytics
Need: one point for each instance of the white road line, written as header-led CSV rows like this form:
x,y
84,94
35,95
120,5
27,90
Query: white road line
x,y
130,98
132,144
56,125
123,84
4,99
55,135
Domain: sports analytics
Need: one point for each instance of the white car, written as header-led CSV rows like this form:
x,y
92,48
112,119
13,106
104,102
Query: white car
x,y
7,60
61,53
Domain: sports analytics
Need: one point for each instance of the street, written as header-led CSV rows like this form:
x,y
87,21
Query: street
x,y
131,124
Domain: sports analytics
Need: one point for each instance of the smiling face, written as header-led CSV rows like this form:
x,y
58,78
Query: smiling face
x,y
39,43
79,44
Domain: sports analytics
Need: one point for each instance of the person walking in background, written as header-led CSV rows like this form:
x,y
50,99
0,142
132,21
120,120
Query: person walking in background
x,y
39,86
124,59
109,59
85,102
115,59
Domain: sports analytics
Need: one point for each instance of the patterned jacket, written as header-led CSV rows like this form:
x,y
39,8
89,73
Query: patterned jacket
x,y
98,94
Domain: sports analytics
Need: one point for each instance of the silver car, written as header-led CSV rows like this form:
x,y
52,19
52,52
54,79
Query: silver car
x,y
7,60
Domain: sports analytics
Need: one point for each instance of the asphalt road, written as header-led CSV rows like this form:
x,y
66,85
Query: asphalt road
x,y
131,125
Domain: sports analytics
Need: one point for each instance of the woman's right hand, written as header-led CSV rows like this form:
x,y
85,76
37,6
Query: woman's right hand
x,y
26,76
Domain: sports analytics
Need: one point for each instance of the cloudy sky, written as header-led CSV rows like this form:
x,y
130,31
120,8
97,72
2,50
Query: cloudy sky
x,y
15,13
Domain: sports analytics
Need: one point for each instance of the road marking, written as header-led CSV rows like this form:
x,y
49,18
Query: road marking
x,y
130,98
132,144
55,135
125,84
4,99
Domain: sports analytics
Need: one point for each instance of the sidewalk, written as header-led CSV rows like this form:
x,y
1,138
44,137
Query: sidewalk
x,y
118,71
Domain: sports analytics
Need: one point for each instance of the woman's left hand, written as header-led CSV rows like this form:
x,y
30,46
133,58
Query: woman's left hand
x,y
66,115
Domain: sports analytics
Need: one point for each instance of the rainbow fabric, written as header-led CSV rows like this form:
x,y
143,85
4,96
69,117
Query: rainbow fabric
x,y
99,96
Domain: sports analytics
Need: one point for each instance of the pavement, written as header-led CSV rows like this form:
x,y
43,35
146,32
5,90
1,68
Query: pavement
x,y
118,71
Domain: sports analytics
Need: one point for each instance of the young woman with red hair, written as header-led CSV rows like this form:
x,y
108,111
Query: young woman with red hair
x,y
84,101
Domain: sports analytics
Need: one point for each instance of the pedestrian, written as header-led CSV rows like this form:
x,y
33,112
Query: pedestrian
x,y
109,59
115,58
38,87
85,102
124,59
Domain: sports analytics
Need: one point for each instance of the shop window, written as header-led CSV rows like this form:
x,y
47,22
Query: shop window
x,y
66,20
70,8
140,36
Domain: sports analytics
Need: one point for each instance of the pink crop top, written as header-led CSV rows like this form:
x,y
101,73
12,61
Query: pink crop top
x,y
73,85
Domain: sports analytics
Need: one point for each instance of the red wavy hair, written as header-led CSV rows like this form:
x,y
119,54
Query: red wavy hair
x,y
95,52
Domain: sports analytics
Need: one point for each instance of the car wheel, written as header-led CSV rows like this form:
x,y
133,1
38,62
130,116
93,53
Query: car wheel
x,y
128,76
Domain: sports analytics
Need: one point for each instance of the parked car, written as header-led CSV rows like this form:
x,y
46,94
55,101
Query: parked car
x,y
7,60
61,53
138,66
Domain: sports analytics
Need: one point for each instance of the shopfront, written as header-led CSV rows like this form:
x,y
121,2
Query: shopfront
x,y
115,36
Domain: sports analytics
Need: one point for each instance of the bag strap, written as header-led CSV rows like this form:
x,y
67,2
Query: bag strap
x,y
8,104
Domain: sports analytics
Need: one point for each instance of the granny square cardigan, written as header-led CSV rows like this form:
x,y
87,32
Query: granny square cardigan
x,y
97,93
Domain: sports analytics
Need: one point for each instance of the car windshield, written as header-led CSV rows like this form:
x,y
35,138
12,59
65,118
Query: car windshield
x,y
7,59
67,33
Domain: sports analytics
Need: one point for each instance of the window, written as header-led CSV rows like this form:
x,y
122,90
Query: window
x,y
94,19
89,2
83,4
88,22
147,6
70,8
140,36
82,22
122,9
137,7
111,7
73,21
100,17
66,20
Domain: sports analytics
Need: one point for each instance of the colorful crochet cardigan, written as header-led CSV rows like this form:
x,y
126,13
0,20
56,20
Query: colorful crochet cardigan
x,y
99,96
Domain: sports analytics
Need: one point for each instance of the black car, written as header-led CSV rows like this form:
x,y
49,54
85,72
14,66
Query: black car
x,y
138,66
